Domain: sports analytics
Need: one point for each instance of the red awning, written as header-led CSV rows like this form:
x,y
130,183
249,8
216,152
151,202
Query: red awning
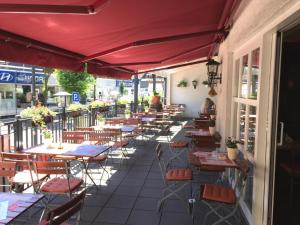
x,y
117,38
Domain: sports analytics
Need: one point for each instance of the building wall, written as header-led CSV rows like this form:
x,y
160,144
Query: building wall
x,y
189,96
258,20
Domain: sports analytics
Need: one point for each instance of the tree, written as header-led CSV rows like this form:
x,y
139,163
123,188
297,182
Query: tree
x,y
47,72
71,81
122,88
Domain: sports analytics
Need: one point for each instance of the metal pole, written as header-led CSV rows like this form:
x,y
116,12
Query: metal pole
x,y
33,86
136,92
154,82
165,90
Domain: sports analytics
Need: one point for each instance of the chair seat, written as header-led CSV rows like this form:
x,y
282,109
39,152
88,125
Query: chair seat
x,y
218,193
188,126
24,177
291,169
179,174
120,144
179,144
44,222
60,185
99,158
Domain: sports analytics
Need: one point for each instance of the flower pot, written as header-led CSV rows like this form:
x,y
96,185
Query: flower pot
x,y
155,100
48,142
232,153
212,130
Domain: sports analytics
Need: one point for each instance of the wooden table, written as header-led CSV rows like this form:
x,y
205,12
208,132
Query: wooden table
x,y
212,159
76,150
199,133
18,204
80,151
148,119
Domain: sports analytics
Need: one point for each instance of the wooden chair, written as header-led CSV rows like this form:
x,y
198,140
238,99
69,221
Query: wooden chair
x,y
61,214
8,171
60,182
84,129
223,201
74,136
175,179
25,173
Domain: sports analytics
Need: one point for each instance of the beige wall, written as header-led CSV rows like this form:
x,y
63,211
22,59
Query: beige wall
x,y
257,21
193,98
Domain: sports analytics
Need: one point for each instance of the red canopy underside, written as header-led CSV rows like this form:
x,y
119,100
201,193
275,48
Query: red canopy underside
x,y
117,23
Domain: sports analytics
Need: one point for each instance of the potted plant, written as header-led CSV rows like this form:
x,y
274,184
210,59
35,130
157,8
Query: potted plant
x,y
99,104
76,109
40,115
182,83
232,151
212,126
155,98
101,119
127,113
47,137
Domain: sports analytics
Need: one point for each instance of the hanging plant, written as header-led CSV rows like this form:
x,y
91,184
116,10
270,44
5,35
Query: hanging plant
x,y
182,83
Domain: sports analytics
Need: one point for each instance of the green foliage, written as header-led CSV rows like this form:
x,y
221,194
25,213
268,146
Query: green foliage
x,y
48,72
71,81
155,93
76,107
122,102
37,114
182,83
47,133
100,118
212,123
231,142
97,104
122,89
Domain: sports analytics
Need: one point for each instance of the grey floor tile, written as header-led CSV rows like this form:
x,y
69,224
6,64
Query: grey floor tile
x,y
141,217
154,175
96,200
128,190
113,215
89,213
154,183
172,205
151,192
129,181
146,203
169,218
121,201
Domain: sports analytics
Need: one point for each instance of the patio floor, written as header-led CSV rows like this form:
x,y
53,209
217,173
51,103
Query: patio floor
x,y
130,195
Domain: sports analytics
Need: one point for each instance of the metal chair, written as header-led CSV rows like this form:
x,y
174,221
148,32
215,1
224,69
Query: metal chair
x,y
175,179
61,214
223,201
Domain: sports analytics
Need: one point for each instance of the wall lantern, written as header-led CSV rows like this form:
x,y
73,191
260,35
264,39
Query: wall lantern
x,y
212,72
194,82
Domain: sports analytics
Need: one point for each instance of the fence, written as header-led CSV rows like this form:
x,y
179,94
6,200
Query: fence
x,y
22,133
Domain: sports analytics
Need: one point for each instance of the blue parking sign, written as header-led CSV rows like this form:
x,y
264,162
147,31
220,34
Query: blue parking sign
x,y
75,97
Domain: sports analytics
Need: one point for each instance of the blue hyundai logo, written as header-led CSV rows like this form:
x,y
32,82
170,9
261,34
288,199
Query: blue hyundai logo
x,y
6,77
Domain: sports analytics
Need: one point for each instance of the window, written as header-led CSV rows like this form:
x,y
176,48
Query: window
x,y
247,73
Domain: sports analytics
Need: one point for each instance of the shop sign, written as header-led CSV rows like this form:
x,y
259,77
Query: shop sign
x,y
11,77
127,83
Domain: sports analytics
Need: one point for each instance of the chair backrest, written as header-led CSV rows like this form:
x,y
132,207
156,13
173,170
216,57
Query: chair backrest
x,y
22,160
243,171
74,136
7,170
64,212
132,121
100,137
51,167
84,129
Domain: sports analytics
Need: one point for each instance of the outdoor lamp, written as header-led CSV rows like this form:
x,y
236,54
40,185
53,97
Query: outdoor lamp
x,y
212,72
194,82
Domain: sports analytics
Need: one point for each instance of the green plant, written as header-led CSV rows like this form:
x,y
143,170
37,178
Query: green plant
x,y
122,102
212,123
76,107
155,93
231,142
205,82
100,117
47,134
71,81
122,88
97,104
182,83
38,114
